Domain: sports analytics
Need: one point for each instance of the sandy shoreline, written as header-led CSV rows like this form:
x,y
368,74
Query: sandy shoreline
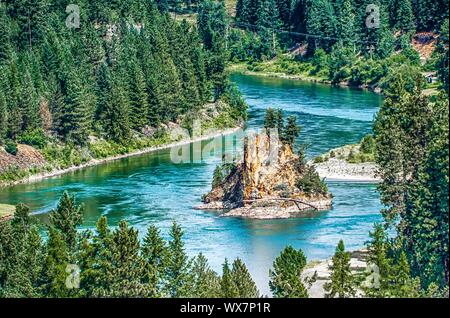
x,y
93,162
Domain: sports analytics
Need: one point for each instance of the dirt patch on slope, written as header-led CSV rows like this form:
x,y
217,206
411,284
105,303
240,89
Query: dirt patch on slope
x,y
26,157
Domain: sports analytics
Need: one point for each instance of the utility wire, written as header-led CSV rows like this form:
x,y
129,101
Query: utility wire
x,y
240,25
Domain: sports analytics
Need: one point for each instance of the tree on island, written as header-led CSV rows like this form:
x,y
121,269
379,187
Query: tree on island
x,y
291,131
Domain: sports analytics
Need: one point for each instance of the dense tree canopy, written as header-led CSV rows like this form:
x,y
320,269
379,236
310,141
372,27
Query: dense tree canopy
x,y
126,61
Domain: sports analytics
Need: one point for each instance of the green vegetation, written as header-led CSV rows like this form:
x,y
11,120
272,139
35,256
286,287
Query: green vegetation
x,y
113,262
365,153
411,133
285,280
287,132
11,147
127,69
310,183
342,282
341,49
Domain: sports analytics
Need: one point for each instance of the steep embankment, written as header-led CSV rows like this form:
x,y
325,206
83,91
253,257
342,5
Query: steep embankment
x,y
270,182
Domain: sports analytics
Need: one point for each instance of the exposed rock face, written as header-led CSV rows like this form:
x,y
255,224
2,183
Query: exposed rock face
x,y
264,184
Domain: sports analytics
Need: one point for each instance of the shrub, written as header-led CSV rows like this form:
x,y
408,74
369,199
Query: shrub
x,y
34,137
368,145
11,147
319,159
281,187
311,183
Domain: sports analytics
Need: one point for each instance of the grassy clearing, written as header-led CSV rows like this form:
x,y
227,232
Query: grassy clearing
x,y
6,210
282,67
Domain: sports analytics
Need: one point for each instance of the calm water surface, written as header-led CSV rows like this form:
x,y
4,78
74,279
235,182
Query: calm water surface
x,y
149,189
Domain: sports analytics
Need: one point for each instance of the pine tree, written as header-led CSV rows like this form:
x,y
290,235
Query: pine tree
x,y
14,111
138,97
403,140
29,104
280,121
75,119
245,286
217,176
53,276
285,11
127,268
5,36
427,220
154,252
291,131
342,282
442,49
402,16
206,281
178,271
31,18
270,119
285,277
404,286
267,21
116,114
66,217
227,284
3,118
212,26
320,22
345,24
20,256
375,37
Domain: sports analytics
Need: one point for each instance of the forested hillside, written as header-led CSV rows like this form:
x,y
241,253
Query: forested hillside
x,y
122,71
126,61
359,42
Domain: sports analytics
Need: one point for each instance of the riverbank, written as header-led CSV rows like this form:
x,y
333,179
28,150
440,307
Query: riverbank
x,y
242,68
93,162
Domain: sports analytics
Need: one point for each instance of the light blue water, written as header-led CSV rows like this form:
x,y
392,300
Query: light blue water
x,y
150,189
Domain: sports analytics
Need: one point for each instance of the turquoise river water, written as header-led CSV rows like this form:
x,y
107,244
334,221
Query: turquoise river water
x,y
150,189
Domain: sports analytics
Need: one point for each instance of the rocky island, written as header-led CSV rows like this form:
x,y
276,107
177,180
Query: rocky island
x,y
270,182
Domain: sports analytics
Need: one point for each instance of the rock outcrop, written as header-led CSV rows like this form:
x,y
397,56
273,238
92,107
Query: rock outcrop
x,y
265,183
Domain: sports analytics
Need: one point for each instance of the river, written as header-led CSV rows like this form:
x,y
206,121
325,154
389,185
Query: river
x,y
150,189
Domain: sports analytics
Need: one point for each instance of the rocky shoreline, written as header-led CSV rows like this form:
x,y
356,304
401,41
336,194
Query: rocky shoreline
x,y
340,170
335,166
269,209
267,184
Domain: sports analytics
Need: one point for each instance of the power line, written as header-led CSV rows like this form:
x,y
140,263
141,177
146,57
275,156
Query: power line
x,y
240,25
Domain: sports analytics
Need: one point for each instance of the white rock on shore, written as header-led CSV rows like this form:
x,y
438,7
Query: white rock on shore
x,y
340,170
